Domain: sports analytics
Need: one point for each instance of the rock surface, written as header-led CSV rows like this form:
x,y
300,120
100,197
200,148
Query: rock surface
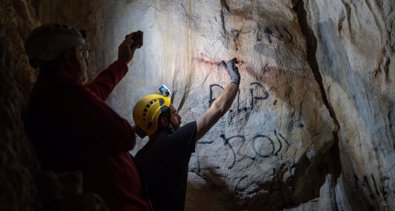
x,y
311,128
354,53
17,160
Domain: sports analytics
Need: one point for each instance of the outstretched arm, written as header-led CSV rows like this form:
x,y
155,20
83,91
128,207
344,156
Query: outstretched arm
x,y
105,82
222,104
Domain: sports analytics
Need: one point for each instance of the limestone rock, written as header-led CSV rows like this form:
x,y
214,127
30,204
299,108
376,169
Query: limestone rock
x,y
355,53
279,126
17,160
311,127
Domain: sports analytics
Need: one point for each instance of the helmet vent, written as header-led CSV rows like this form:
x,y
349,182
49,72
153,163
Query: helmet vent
x,y
147,111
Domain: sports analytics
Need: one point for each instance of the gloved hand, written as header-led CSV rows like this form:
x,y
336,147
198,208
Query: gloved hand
x,y
232,70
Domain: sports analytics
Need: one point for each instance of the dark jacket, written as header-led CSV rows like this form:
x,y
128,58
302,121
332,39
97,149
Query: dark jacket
x,y
72,128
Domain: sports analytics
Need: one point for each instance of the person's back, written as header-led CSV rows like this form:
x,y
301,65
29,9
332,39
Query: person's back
x,y
165,158
165,162
73,129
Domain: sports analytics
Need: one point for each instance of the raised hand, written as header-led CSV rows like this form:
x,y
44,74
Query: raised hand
x,y
232,70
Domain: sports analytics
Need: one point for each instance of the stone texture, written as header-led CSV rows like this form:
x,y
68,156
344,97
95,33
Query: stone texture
x,y
311,128
17,160
257,155
354,53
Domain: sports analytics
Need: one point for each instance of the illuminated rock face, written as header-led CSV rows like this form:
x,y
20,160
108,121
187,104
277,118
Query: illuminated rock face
x,y
264,153
315,93
311,127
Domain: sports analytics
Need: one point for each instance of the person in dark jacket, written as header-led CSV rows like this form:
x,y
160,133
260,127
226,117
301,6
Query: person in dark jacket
x,y
164,159
69,123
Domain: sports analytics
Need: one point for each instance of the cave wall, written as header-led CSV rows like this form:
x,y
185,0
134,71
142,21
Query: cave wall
x,y
17,161
354,51
270,151
311,127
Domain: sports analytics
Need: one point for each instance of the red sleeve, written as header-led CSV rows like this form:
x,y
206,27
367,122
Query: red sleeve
x,y
105,82
90,119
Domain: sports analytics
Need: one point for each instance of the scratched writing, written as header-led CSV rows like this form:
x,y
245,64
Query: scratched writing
x,y
263,140
257,94
259,146
278,32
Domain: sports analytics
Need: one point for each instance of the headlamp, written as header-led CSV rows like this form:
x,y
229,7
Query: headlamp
x,y
164,91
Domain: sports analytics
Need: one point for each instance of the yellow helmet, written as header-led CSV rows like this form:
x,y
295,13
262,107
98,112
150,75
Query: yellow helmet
x,y
147,110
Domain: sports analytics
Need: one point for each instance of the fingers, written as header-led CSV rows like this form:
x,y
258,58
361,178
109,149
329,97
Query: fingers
x,y
137,38
128,41
130,35
223,64
234,60
232,63
125,53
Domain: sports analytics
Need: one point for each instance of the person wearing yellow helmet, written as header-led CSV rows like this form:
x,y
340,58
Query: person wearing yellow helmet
x,y
146,113
164,159
69,123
